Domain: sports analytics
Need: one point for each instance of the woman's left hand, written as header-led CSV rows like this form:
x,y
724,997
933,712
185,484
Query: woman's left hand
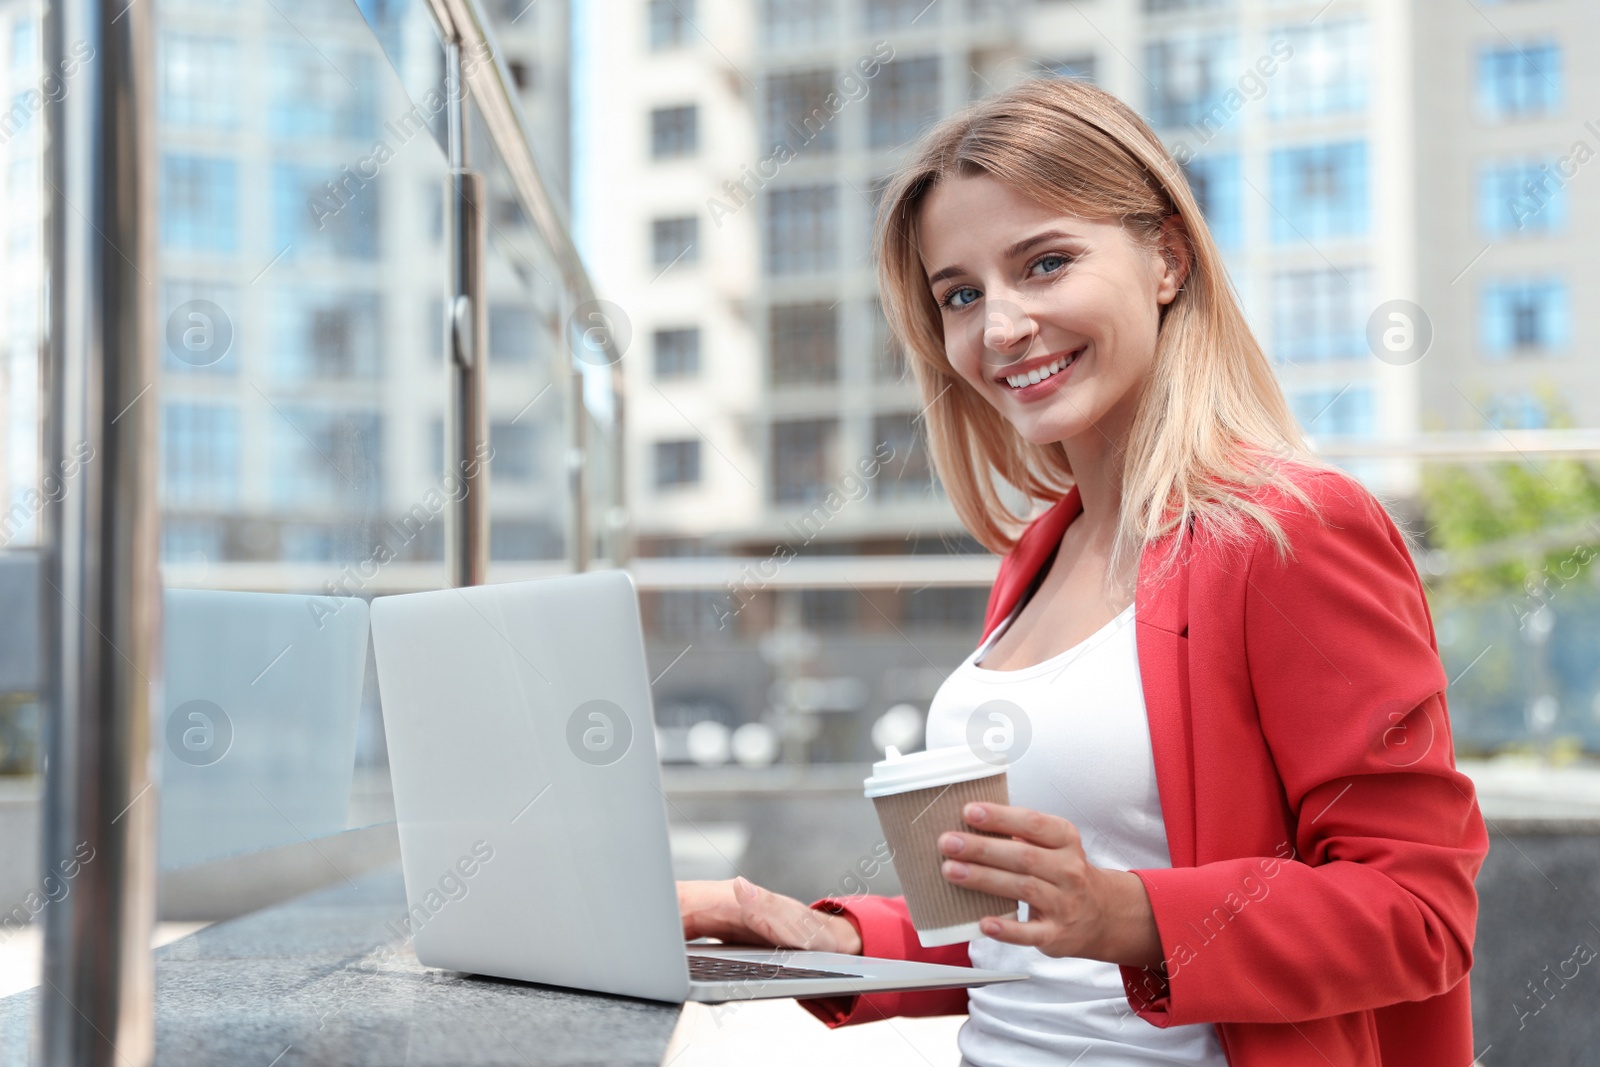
x,y
1074,908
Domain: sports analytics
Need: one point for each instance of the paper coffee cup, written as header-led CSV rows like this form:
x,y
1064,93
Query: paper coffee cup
x,y
918,797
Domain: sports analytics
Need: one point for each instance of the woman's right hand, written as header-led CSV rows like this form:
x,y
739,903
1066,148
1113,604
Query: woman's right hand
x,y
738,912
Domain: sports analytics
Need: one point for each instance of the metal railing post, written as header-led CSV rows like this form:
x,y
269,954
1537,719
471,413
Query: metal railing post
x,y
466,324
101,591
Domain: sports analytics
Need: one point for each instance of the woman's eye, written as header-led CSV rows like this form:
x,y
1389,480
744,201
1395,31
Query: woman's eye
x,y
1048,264
961,297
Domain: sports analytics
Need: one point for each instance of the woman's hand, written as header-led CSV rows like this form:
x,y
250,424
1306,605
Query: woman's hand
x,y
1074,908
741,913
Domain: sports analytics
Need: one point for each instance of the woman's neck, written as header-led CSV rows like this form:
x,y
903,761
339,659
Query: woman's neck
x,y
1096,458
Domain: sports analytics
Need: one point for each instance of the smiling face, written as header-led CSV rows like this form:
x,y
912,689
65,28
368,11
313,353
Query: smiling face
x,y
1052,318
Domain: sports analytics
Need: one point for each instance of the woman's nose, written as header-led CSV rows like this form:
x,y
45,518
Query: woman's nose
x,y
1008,330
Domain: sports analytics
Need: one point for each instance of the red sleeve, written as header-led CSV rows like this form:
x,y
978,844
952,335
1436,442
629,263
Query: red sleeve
x,y
1377,905
887,933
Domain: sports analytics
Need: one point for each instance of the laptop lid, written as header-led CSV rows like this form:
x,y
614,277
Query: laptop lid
x,y
532,825
261,693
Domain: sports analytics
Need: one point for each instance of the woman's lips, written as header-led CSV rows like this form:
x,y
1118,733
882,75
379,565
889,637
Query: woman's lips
x,y
1058,370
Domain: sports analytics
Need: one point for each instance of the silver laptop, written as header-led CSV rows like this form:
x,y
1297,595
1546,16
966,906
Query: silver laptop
x,y
533,829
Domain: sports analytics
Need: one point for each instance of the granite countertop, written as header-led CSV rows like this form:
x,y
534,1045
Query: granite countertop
x,y
320,980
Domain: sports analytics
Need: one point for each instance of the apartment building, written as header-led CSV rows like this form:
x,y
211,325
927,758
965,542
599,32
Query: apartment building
x,y
301,180
735,229
1508,105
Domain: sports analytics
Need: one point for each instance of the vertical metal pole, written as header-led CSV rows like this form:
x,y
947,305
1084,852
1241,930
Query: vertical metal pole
x,y
466,426
101,596
577,525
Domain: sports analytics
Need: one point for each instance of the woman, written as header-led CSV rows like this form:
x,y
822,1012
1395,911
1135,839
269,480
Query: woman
x,y
1237,826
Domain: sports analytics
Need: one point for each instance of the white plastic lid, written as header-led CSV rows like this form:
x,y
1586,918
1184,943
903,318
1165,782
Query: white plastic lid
x,y
919,770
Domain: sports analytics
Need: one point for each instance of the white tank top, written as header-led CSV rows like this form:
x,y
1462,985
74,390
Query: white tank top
x,y
1080,749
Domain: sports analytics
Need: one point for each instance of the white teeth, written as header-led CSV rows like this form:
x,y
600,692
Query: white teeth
x,y
1039,374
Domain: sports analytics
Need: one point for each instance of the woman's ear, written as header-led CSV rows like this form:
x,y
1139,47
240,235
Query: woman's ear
x,y
1176,259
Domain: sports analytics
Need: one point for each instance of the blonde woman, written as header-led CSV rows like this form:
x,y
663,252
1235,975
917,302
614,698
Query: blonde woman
x,y
1238,827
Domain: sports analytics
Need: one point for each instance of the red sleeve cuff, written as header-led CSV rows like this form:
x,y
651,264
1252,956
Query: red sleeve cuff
x,y
886,933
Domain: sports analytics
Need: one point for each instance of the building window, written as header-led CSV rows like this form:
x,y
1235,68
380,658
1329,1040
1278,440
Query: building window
x,y
795,113
1327,71
1344,412
674,131
677,463
24,45
801,231
1523,318
313,217
1189,74
1518,81
327,459
677,353
1319,315
673,240
199,203
199,81
200,447
828,608
803,345
1156,6
1525,196
671,23
1214,180
907,473
944,607
1081,66
891,14
322,94
888,358
802,459
904,99
516,451
322,336
1319,191
792,22
523,539
513,334
191,540
1518,410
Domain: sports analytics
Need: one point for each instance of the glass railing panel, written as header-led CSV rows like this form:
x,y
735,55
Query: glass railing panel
x,y
303,269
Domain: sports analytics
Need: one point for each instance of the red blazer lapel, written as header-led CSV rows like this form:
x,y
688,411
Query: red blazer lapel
x,y
1022,564
1161,611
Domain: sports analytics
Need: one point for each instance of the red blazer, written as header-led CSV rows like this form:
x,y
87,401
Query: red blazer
x,y
1320,906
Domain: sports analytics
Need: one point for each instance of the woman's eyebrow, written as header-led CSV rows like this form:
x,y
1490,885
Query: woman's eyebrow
x,y
1010,253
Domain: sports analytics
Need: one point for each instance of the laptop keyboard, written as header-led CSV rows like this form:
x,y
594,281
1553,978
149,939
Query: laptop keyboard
x,y
719,969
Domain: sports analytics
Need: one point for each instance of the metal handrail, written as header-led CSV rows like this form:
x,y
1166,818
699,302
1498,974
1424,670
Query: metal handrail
x,y
464,24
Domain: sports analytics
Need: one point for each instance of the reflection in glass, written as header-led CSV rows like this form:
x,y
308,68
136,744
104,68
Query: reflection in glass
x,y
258,727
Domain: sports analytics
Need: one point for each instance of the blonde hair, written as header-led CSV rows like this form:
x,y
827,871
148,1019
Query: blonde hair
x,y
1212,427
